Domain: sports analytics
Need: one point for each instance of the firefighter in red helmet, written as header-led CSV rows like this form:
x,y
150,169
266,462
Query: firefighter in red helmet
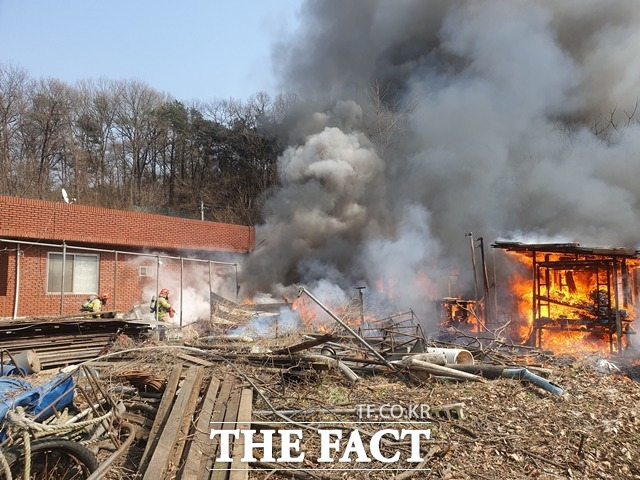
x,y
165,311
94,303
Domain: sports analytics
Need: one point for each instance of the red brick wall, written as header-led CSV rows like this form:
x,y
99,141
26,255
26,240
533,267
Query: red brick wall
x,y
38,219
33,299
51,222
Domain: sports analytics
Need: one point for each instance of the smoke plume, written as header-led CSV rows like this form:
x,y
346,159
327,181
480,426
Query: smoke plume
x,y
422,120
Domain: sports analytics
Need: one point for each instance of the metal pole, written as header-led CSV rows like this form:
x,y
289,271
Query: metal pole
x,y
115,280
17,289
237,284
495,284
155,314
362,341
485,278
201,210
181,276
535,298
210,289
473,262
64,266
360,289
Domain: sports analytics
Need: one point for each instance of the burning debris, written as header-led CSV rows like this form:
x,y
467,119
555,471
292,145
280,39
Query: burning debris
x,y
460,313
190,408
578,298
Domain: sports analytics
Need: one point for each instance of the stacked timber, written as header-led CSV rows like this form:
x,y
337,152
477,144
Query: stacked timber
x,y
179,445
64,340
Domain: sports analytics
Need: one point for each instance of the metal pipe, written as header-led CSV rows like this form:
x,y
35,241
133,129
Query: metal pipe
x,y
488,317
17,289
237,284
64,266
361,340
115,281
157,285
210,290
495,284
526,375
360,289
535,295
181,277
473,263
105,465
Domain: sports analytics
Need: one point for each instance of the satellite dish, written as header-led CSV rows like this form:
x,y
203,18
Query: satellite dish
x,y
66,198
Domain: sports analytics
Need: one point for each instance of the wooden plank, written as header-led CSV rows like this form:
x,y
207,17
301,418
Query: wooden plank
x,y
169,438
329,337
200,441
185,426
230,420
161,417
192,359
217,418
239,469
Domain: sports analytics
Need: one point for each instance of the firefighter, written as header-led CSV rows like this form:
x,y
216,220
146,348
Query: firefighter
x,y
164,311
163,306
94,303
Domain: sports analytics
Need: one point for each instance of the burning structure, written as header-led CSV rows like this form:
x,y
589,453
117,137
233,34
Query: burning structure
x,y
576,296
460,313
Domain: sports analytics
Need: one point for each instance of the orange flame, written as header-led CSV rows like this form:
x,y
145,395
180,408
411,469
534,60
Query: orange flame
x,y
314,317
571,303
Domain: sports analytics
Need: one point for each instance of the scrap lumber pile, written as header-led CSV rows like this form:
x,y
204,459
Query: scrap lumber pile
x,y
178,444
497,428
67,339
494,411
502,427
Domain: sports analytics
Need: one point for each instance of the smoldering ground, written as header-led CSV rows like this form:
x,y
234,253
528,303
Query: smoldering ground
x,y
418,121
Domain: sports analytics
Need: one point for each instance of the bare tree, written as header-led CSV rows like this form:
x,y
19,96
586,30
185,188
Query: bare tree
x,y
46,133
14,83
95,167
385,121
135,124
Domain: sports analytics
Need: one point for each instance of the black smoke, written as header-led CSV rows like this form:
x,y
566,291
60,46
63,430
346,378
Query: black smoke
x,y
420,121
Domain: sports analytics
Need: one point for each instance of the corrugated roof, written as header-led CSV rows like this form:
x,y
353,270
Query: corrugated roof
x,y
569,248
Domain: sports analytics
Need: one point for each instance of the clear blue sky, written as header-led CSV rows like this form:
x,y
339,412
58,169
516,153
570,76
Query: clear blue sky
x,y
192,49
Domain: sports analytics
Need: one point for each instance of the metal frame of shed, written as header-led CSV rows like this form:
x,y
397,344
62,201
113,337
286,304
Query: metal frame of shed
x,y
611,268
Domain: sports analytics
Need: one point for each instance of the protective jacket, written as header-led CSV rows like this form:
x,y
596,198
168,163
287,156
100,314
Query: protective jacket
x,y
93,303
163,306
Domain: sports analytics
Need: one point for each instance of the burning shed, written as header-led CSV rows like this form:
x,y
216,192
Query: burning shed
x,y
577,295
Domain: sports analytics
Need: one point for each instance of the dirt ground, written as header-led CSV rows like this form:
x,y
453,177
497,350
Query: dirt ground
x,y
508,429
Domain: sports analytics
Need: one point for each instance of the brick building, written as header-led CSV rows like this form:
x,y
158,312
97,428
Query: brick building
x,y
104,250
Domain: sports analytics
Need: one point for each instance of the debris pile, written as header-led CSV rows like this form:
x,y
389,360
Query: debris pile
x,y
63,340
158,410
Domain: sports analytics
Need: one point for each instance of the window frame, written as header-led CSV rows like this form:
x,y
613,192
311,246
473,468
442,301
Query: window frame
x,y
71,292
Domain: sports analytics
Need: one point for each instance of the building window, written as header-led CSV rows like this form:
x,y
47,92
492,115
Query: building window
x,y
146,271
81,273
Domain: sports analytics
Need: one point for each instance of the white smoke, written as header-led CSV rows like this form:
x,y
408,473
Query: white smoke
x,y
190,296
